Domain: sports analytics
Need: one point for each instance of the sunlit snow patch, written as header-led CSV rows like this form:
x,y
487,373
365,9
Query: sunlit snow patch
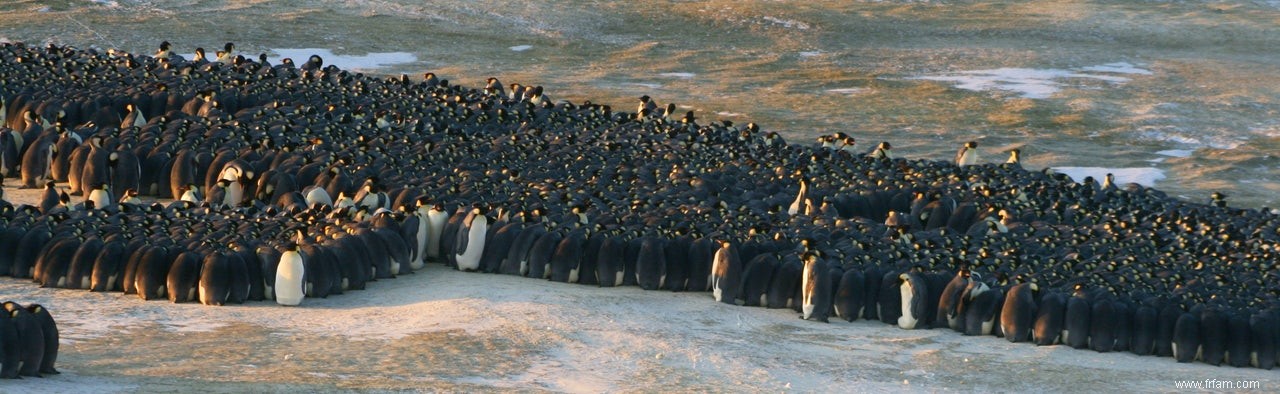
x,y
1035,83
678,75
846,90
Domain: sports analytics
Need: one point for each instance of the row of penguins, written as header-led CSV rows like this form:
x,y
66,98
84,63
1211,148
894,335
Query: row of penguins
x,y
291,181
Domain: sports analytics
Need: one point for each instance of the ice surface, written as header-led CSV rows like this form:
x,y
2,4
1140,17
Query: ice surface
x,y
1034,83
1176,153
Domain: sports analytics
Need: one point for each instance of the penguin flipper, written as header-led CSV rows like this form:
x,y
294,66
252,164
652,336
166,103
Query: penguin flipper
x,y
460,243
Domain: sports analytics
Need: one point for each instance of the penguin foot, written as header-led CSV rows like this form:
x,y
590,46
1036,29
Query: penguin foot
x,y
50,371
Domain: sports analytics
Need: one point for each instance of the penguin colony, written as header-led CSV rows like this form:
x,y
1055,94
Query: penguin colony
x,y
293,181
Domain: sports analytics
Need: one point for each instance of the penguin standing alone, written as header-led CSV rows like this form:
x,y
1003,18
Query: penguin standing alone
x,y
290,275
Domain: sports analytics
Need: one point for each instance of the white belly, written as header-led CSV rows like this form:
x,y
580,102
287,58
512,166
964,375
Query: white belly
x,y
469,260
235,194
907,320
289,279
421,253
436,224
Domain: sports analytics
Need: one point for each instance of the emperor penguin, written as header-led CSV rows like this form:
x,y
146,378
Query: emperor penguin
x,y
848,144
423,211
313,63
345,202
190,193
1109,182
915,293
471,237
517,92
50,330
163,52
371,195
436,219
1187,338
316,195
646,104
290,274
1075,326
1019,312
37,163
238,175
134,118
726,273
1218,199
130,197
802,199
982,310
1050,318
101,196
10,151
968,154
30,342
217,195
850,296
1015,157
950,299
882,151
49,200
494,88
227,54
815,288
199,58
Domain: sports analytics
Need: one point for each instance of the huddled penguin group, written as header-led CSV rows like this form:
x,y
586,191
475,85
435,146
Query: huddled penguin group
x,y
28,341
291,182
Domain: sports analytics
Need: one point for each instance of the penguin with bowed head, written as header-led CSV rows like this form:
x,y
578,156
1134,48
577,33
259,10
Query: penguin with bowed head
x,y
816,288
726,273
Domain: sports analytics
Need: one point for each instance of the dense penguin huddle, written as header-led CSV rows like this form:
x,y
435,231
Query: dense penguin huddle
x,y
291,181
